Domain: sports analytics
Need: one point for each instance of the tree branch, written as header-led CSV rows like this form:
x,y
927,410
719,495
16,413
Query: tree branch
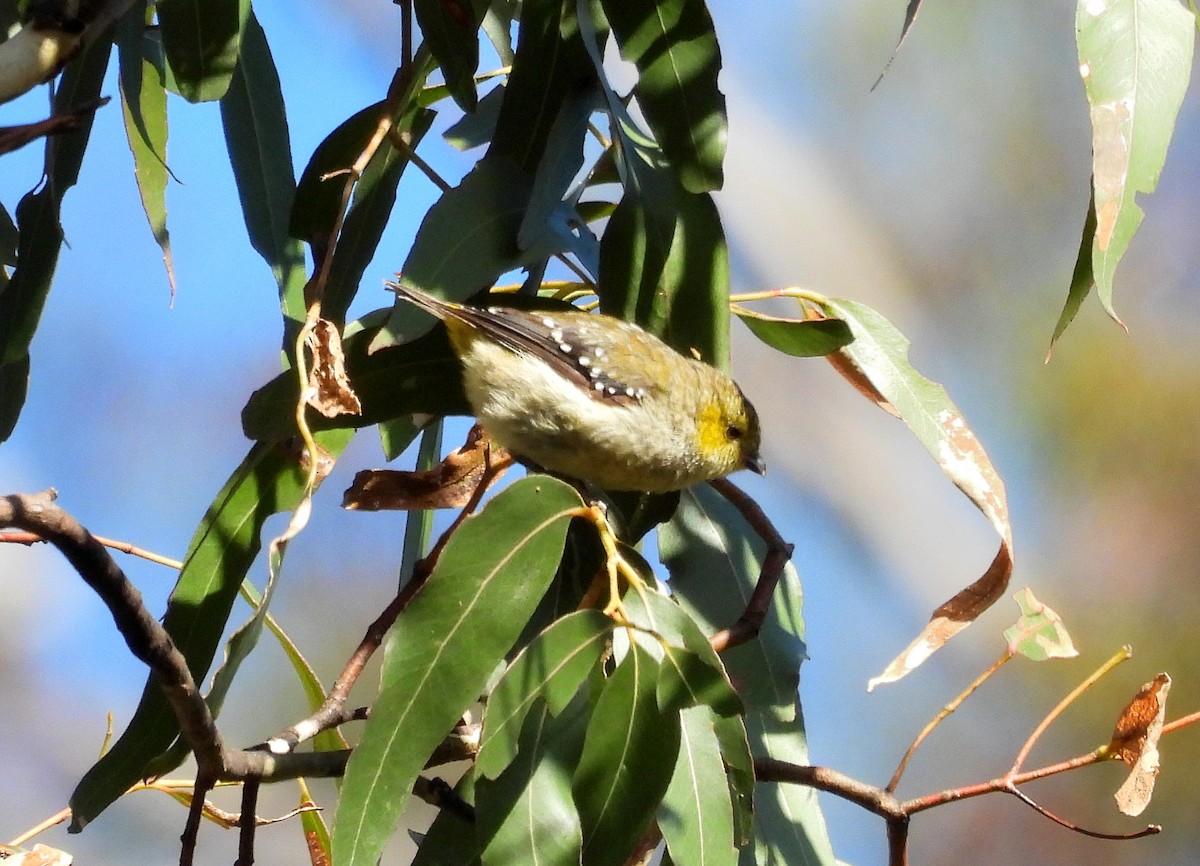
x,y
779,552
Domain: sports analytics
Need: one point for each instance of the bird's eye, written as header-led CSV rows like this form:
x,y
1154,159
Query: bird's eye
x,y
733,432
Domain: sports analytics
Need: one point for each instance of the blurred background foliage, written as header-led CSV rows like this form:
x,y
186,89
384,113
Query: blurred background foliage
x,y
951,199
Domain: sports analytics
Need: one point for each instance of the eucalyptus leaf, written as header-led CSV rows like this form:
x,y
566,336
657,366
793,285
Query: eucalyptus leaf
x,y
445,644
628,758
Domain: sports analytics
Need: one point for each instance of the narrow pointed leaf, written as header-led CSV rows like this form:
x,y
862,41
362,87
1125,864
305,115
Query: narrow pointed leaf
x,y
144,108
451,30
487,582
550,668
527,814
627,762
551,63
467,239
674,46
696,816
1082,278
1135,57
201,39
260,151
788,824
372,206
714,557
40,235
692,672
801,338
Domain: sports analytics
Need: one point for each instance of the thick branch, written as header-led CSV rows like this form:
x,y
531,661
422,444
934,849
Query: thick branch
x,y
144,635
150,643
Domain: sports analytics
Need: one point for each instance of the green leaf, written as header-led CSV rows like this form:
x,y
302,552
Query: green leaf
x,y
221,552
1039,634
713,557
442,649
788,824
692,672
40,235
547,213
260,151
14,386
663,258
550,668
144,108
451,30
202,39
422,376
627,762
801,338
1135,57
674,46
527,814
739,773
696,816
879,355
551,63
373,203
1082,278
318,198
9,238
467,239
478,127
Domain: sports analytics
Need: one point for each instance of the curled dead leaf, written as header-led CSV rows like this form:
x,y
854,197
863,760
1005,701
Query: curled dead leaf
x,y
1135,741
449,485
329,390
951,618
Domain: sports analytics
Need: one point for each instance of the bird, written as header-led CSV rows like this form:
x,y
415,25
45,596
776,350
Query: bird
x,y
595,398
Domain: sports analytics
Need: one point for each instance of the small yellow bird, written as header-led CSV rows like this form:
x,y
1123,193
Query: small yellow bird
x,y
597,399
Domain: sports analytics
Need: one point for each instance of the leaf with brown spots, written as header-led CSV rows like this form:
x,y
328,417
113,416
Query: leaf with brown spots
x,y
329,390
449,485
1135,741
878,358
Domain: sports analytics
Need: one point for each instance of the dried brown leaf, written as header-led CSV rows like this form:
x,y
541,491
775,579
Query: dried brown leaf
x,y
38,855
449,485
951,618
1135,741
329,390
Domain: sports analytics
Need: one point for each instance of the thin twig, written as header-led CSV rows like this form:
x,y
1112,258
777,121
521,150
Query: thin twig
x,y
942,715
1149,830
779,552
1117,657
40,827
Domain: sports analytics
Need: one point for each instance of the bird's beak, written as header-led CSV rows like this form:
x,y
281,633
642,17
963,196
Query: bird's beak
x,y
755,464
